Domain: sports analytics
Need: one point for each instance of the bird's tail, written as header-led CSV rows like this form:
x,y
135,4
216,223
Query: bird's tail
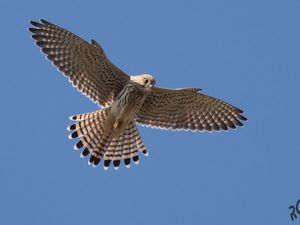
x,y
94,140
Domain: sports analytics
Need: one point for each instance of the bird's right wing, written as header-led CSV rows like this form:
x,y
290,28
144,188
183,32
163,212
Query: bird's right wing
x,y
84,63
186,109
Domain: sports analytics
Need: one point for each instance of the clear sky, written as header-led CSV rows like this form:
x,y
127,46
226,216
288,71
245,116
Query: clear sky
x,y
244,52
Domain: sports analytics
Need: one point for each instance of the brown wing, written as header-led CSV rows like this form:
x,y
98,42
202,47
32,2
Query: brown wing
x,y
187,109
84,63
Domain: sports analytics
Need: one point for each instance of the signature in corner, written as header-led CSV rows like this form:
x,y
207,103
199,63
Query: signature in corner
x,y
295,210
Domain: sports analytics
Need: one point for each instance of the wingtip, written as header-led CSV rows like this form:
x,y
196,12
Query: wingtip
x,y
32,22
240,111
36,24
32,30
44,21
241,117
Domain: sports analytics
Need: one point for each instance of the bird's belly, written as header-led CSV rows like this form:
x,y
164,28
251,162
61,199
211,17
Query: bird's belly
x,y
122,113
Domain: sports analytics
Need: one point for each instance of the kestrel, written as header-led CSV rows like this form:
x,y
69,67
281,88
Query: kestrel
x,y
110,133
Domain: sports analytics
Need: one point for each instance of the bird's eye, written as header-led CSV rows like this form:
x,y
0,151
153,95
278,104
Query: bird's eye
x,y
146,81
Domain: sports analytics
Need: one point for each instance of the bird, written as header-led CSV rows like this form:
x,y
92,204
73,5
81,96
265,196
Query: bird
x,y
110,133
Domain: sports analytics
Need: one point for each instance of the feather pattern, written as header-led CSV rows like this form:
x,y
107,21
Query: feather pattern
x,y
110,134
89,128
84,63
186,109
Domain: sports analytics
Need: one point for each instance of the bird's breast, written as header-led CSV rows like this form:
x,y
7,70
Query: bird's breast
x,y
128,102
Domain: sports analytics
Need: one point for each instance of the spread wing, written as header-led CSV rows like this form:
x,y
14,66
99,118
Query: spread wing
x,y
189,110
84,63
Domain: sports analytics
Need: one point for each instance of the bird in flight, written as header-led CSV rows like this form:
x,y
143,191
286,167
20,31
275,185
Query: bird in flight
x,y
110,133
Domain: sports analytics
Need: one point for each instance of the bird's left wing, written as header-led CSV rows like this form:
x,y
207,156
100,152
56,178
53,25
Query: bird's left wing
x,y
84,63
186,109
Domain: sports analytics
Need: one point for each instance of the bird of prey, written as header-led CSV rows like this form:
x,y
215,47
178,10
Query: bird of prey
x,y
110,133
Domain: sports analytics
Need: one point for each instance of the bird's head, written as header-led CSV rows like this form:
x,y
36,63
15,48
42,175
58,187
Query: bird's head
x,y
146,80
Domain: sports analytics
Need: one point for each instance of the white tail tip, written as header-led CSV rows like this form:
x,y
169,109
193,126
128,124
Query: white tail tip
x,y
127,166
106,167
71,118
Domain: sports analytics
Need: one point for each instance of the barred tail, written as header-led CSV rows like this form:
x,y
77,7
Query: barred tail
x,y
90,128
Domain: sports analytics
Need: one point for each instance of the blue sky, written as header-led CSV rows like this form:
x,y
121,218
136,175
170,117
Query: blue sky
x,y
244,52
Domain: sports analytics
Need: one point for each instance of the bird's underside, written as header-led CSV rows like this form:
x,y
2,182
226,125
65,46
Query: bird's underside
x,y
110,133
